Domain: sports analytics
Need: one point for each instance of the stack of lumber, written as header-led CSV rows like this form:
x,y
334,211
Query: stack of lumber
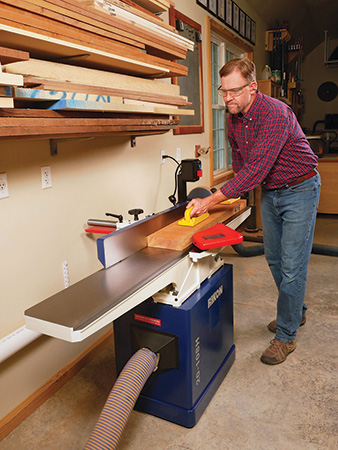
x,y
95,49
54,29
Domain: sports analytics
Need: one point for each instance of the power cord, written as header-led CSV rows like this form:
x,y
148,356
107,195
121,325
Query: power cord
x,y
172,198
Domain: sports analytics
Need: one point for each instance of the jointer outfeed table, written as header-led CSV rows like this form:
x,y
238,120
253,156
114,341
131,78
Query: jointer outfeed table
x,y
139,261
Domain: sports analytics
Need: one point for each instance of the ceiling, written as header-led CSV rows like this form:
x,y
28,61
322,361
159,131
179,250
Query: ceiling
x,y
307,18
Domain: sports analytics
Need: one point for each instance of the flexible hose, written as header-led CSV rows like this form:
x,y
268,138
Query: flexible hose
x,y
121,400
255,250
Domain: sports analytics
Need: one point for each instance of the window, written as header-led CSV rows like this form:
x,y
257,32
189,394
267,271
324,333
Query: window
x,y
222,46
221,52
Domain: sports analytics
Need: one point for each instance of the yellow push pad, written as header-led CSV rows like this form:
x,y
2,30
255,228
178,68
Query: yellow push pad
x,y
192,221
230,200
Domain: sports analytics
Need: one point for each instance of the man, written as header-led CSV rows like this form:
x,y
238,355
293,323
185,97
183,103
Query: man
x,y
270,149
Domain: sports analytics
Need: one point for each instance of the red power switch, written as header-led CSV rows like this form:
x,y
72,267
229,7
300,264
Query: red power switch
x,y
199,173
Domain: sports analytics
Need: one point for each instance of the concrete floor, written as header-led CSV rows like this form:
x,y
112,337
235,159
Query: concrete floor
x,y
292,406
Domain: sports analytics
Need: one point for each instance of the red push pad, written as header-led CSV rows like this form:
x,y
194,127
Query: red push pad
x,y
217,236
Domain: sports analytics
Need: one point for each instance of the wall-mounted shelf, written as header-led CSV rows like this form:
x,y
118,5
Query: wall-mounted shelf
x,y
88,51
37,124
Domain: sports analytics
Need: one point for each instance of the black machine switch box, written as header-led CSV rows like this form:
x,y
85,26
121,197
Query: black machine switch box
x,y
190,169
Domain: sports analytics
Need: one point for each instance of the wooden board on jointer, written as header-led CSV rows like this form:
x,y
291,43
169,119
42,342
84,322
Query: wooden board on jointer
x,y
178,237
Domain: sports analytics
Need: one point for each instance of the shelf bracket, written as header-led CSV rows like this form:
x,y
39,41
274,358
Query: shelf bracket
x,y
133,141
53,143
53,146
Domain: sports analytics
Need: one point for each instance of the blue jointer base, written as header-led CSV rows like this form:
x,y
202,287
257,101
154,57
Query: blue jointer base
x,y
187,417
203,328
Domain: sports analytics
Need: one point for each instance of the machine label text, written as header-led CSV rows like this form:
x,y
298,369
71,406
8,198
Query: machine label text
x,y
215,296
197,361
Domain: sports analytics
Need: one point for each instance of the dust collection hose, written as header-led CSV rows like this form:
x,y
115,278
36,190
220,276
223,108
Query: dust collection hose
x,y
121,400
256,250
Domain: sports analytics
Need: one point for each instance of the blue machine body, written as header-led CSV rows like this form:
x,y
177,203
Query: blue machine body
x,y
203,329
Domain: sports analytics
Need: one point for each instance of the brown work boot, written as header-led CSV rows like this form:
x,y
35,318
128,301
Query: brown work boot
x,y
277,352
273,327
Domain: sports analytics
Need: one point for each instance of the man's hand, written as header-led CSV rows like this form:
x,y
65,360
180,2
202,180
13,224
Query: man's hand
x,y
202,205
199,206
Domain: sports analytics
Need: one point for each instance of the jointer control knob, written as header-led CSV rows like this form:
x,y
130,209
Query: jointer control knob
x,y
135,213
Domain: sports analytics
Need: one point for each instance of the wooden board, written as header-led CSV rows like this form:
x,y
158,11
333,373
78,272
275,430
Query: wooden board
x,y
26,123
177,237
116,28
64,86
8,79
9,55
154,5
46,45
6,91
6,102
83,75
119,104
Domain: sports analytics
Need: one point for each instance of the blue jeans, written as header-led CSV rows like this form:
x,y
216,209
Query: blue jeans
x,y
288,219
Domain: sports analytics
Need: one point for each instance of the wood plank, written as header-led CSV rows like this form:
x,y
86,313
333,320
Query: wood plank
x,y
54,48
177,237
47,121
153,5
119,29
57,131
8,79
50,48
38,7
83,21
6,102
40,83
6,91
129,18
28,406
85,135
74,132
26,20
36,113
152,35
129,5
10,55
119,104
72,74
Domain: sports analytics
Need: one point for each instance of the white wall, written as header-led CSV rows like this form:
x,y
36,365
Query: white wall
x,y
39,229
315,73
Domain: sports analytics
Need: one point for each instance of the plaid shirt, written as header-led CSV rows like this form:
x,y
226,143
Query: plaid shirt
x,y
268,147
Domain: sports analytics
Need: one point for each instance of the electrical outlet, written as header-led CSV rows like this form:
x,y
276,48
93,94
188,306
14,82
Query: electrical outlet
x,y
46,177
178,154
162,154
3,185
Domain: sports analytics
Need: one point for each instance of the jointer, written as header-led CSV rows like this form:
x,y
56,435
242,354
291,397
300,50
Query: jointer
x,y
159,290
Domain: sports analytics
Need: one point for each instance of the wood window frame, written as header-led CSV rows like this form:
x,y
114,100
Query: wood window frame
x,y
193,128
214,27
